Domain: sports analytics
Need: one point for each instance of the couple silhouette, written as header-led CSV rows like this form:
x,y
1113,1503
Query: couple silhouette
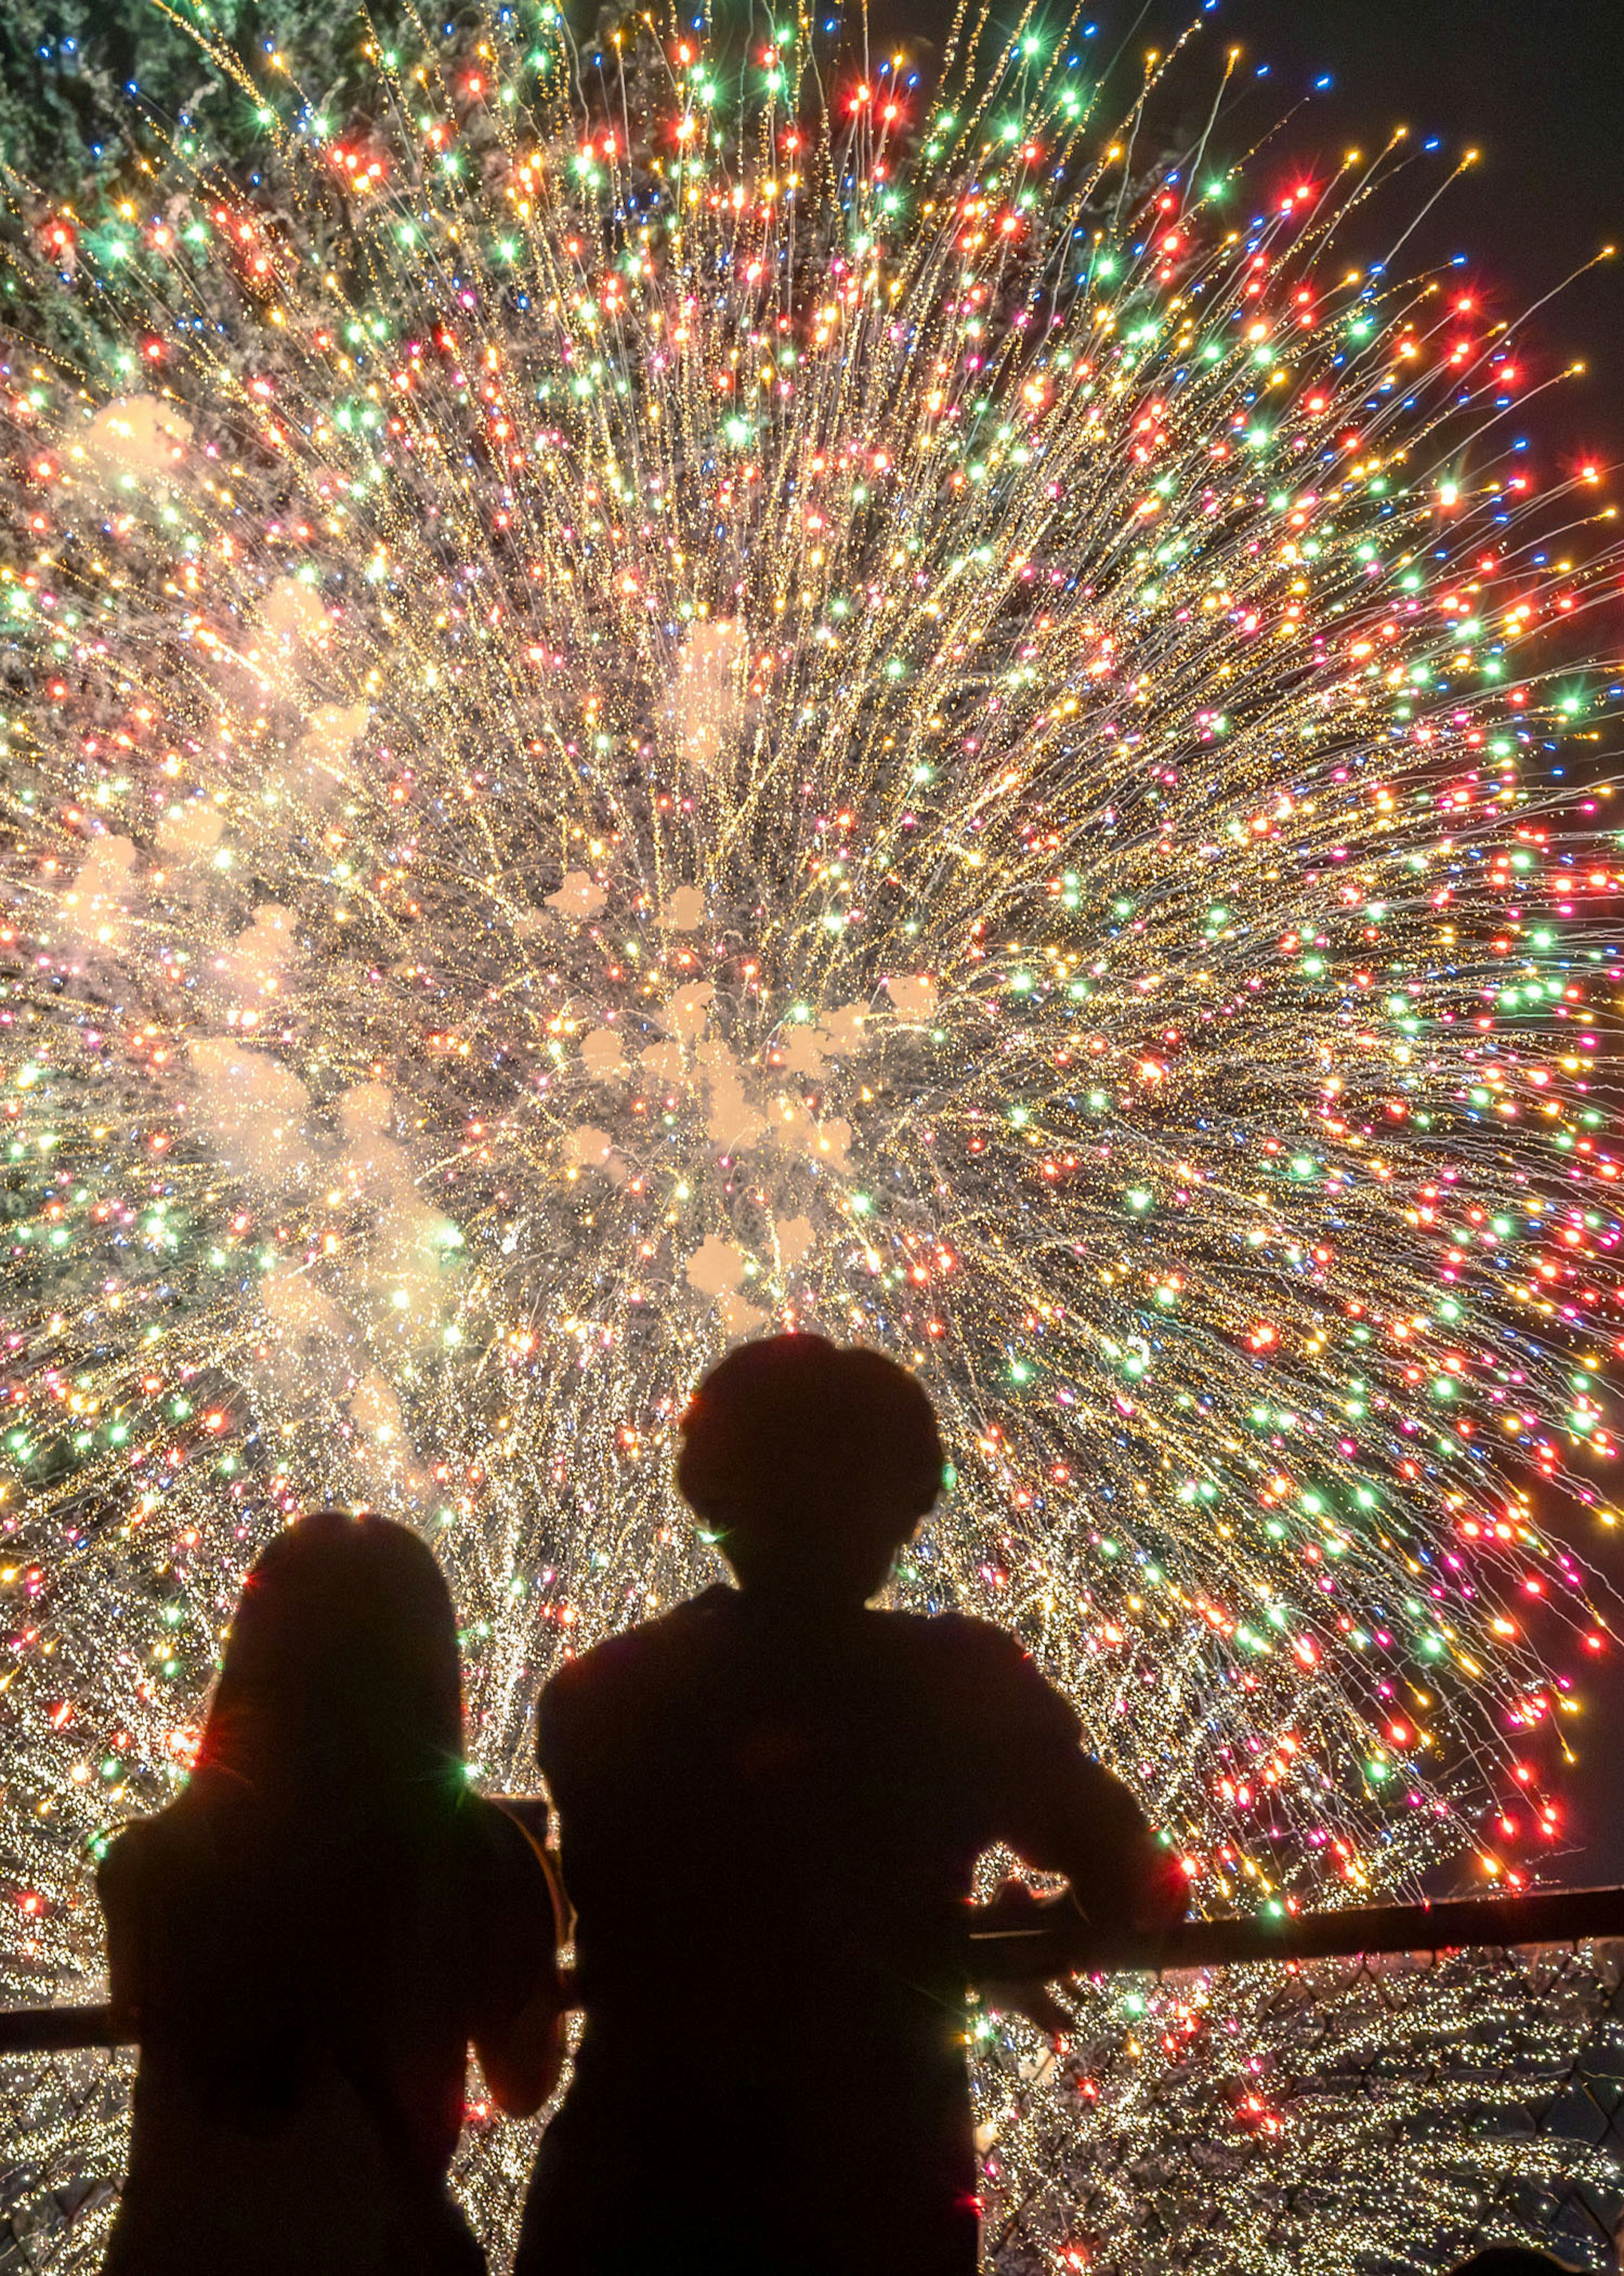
x,y
769,1804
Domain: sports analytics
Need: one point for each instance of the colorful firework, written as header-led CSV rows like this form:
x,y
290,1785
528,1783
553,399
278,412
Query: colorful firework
x,y
649,699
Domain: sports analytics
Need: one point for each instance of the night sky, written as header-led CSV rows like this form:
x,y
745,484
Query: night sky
x,y
1537,89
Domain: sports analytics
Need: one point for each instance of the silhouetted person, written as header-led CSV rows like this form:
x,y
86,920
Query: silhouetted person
x,y
308,1938
770,1800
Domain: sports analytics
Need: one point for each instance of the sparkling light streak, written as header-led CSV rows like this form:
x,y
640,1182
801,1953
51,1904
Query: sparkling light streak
x,y
635,708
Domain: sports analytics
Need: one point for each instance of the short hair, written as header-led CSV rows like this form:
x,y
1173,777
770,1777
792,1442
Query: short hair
x,y
792,1435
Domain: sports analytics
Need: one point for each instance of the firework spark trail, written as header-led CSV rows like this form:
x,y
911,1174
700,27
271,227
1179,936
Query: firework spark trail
x,y
630,717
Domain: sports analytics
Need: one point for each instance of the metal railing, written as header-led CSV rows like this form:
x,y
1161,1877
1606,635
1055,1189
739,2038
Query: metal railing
x,y
1062,1943
1053,1942
1361,2092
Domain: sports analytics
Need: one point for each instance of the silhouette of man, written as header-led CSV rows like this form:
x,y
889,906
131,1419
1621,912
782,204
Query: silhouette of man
x,y
770,1801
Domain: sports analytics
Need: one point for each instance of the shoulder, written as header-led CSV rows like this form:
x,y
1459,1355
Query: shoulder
x,y
145,1855
956,1639
589,1698
623,1662
982,1665
123,1869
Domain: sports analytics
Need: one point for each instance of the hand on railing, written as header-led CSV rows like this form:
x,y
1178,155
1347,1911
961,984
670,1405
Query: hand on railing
x,y
1021,1942
1018,1923
1019,1938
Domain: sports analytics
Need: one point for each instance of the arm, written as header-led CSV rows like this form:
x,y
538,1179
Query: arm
x,y
520,2040
522,2059
1083,1822
1060,1811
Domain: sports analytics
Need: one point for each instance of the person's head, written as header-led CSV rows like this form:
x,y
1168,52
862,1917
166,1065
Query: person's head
x,y
340,1685
810,1465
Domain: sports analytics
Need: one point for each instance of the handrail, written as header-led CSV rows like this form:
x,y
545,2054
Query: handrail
x,y
1056,1941
1052,1943
57,2030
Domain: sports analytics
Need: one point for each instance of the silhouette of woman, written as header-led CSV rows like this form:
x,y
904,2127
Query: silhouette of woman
x,y
308,1938
771,1800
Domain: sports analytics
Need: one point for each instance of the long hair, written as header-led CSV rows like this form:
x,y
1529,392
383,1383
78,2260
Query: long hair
x,y
340,1690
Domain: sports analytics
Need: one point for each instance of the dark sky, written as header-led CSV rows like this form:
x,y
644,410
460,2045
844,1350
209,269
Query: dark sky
x,y
1538,88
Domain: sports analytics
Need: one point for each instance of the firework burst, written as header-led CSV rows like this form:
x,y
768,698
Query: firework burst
x,y
717,694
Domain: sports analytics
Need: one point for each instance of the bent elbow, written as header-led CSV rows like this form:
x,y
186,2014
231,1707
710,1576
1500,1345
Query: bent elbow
x,y
523,2071
517,2100
1163,1895
520,2089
